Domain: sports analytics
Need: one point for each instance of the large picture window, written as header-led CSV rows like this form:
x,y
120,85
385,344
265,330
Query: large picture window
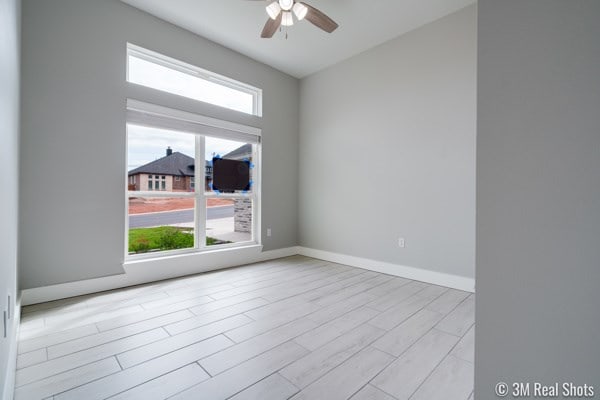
x,y
193,181
172,213
173,202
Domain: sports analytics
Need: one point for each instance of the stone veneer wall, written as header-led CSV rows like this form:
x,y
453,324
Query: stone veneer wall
x,y
242,215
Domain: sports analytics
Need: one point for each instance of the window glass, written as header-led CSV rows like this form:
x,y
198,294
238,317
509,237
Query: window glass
x,y
169,210
234,164
160,154
160,224
169,75
228,220
168,158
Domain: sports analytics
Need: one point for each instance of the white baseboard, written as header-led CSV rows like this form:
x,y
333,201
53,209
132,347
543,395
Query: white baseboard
x,y
145,271
417,274
11,368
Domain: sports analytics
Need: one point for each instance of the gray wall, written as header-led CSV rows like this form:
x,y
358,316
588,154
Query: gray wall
x,y
387,150
538,193
9,182
73,143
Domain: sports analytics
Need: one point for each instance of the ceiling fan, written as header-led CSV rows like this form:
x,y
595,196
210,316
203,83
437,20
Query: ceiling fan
x,y
280,14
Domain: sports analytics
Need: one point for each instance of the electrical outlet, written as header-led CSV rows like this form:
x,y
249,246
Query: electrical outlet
x,y
401,243
268,232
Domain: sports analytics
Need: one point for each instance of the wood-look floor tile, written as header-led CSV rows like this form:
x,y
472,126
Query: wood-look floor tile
x,y
329,331
448,301
31,358
135,376
209,317
460,319
345,380
274,387
396,341
371,393
57,365
317,363
465,349
27,345
244,375
295,327
240,352
404,376
452,379
59,383
101,338
173,343
166,385
399,313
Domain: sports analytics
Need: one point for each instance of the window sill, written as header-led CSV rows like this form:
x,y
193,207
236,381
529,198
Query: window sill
x,y
224,251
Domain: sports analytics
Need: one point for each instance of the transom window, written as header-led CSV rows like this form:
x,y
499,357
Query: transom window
x,y
157,71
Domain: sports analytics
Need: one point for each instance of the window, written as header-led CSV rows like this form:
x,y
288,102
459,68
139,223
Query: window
x,y
154,70
229,214
178,215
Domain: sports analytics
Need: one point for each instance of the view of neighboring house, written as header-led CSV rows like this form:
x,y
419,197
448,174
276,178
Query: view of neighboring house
x,y
241,153
173,173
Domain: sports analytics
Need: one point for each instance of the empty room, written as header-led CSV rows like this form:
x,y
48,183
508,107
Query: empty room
x,y
276,199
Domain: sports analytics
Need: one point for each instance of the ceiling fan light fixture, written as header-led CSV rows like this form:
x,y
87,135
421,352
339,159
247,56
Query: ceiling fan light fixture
x,y
273,10
287,19
286,5
300,10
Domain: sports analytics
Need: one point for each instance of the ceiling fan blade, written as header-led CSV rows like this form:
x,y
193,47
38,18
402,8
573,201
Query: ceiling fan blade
x,y
319,19
271,27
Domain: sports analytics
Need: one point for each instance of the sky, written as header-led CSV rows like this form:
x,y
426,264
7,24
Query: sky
x,y
149,144
162,78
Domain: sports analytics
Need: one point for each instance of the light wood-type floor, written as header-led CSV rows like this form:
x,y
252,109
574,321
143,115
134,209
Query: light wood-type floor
x,y
293,328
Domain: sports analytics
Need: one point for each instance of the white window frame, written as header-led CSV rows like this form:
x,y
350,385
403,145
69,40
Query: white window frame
x,y
177,65
152,115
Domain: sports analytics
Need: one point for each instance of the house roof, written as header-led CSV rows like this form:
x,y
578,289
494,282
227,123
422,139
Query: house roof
x,y
240,153
177,164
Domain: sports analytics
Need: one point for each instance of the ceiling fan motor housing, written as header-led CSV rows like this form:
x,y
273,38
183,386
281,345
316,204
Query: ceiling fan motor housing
x,y
286,5
281,14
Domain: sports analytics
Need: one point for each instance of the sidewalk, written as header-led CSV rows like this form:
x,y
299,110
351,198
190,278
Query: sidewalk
x,y
222,229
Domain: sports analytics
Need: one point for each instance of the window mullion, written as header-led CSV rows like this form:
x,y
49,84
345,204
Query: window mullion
x,y
200,180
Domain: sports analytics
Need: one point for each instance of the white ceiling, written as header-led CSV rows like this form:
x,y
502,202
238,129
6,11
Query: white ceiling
x,y
237,24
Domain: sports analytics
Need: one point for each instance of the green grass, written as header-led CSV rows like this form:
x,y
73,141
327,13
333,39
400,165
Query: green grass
x,y
212,241
142,240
